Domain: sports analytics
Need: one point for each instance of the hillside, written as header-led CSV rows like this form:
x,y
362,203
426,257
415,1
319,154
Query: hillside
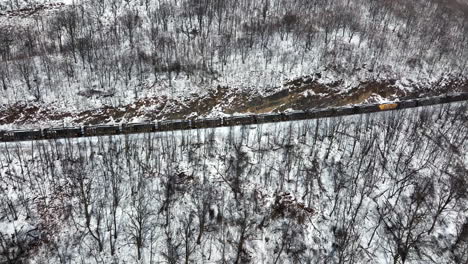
x,y
381,188
117,61
386,187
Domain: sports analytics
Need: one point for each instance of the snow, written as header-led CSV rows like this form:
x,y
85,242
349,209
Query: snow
x,y
256,180
259,70
332,190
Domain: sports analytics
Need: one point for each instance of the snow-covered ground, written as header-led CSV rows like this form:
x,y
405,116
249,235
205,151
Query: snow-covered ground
x,y
381,188
92,54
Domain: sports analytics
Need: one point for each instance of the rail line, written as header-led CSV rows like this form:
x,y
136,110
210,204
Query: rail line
x,y
171,125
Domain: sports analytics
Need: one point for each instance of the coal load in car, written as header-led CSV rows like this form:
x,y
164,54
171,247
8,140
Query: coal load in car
x,y
206,123
101,130
370,108
296,115
168,125
407,104
164,125
326,112
197,123
213,122
429,101
461,97
345,110
312,113
239,120
19,135
270,117
455,98
180,124
138,128
65,132
445,99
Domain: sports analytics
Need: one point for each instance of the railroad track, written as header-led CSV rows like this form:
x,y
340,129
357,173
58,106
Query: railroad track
x,y
171,125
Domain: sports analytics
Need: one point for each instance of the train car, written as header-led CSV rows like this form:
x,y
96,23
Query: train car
x,y
197,123
168,125
270,117
296,115
164,125
138,128
312,113
101,130
213,122
181,124
239,120
368,108
461,97
62,132
208,122
388,106
328,112
429,101
20,135
407,104
6,136
457,97
346,110
445,99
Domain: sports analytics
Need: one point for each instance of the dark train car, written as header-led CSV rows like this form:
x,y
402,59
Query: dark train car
x,y
138,128
445,99
460,97
270,117
214,122
62,132
296,115
428,101
167,125
407,104
164,125
7,135
329,112
197,123
345,110
456,97
239,120
312,113
369,108
20,135
205,123
101,130
181,124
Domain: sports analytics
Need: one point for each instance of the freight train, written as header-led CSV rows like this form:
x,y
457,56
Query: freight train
x,y
170,125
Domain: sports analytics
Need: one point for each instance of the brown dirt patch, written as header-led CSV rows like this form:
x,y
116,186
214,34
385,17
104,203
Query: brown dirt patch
x,y
300,94
29,11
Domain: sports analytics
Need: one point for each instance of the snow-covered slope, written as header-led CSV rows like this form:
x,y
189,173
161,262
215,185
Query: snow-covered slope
x,y
381,188
80,55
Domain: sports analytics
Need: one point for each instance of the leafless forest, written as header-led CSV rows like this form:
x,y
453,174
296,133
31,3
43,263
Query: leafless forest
x,y
111,52
388,187
378,188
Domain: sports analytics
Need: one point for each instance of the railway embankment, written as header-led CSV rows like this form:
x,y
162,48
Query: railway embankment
x,y
235,120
